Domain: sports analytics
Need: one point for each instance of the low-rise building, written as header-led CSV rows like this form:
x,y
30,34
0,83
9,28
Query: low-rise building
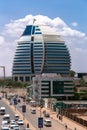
x,y
52,86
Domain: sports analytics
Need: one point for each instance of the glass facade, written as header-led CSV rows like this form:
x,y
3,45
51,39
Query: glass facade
x,y
40,50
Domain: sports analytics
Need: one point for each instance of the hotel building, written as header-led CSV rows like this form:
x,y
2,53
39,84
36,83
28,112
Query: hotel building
x,y
40,50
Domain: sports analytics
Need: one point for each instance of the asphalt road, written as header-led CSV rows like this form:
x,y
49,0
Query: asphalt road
x,y
8,111
33,118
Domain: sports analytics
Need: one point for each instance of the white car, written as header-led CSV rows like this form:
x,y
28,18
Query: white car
x,y
5,128
16,127
33,111
4,123
16,117
12,124
47,122
20,122
27,129
12,120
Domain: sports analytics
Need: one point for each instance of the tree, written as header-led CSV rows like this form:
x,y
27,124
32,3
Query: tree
x,y
82,82
13,84
72,73
41,103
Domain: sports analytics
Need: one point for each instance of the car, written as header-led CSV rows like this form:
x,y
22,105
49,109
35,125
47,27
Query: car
x,y
33,103
5,128
2,110
33,111
12,124
0,98
47,115
20,122
16,127
27,129
47,122
4,123
6,117
12,121
16,117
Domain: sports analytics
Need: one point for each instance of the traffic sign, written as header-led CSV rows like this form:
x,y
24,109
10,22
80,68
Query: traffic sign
x,y
15,101
40,122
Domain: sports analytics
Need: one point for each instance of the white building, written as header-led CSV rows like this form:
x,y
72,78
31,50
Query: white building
x,y
51,86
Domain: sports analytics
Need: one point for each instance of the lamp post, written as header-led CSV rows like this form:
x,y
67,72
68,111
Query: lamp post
x,y
40,119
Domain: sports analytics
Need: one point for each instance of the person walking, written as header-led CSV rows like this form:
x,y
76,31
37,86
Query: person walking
x,y
27,125
65,126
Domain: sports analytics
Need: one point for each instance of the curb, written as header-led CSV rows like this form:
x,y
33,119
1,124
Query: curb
x,y
16,111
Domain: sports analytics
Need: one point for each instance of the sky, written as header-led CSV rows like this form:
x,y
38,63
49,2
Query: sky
x,y
67,17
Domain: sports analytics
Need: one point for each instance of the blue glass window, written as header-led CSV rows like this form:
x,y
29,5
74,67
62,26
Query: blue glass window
x,y
29,30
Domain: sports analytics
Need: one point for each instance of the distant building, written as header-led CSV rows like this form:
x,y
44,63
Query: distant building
x,y
81,89
40,50
51,86
82,75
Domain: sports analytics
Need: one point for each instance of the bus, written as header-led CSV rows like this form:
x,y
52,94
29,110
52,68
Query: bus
x,y
2,110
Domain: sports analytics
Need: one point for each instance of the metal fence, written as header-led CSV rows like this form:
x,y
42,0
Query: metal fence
x,y
74,118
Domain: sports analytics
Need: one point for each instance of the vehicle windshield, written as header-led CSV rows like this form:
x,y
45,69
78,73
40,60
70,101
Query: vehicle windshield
x,y
5,129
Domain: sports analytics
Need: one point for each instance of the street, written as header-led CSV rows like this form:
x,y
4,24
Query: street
x,y
33,118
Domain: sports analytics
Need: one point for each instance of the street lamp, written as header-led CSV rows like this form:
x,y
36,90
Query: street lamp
x,y
40,119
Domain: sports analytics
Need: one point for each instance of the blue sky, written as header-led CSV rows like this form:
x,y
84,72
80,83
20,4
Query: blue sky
x,y
68,10
68,16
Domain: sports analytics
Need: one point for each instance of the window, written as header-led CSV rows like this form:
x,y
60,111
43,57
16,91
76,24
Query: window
x,y
32,38
58,87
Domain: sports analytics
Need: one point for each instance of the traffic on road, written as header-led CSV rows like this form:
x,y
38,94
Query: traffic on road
x,y
31,113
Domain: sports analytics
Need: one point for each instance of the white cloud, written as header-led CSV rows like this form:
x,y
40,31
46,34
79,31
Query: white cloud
x,y
2,40
75,40
75,24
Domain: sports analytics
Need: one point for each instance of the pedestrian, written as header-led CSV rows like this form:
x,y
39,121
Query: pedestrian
x,y
27,125
57,115
65,126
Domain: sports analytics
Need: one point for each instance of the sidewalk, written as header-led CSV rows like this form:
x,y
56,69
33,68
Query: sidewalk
x,y
70,123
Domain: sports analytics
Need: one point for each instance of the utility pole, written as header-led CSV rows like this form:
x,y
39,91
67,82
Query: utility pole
x,y
40,119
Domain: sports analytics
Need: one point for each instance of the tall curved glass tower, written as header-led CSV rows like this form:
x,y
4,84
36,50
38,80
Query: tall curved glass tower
x,y
40,50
